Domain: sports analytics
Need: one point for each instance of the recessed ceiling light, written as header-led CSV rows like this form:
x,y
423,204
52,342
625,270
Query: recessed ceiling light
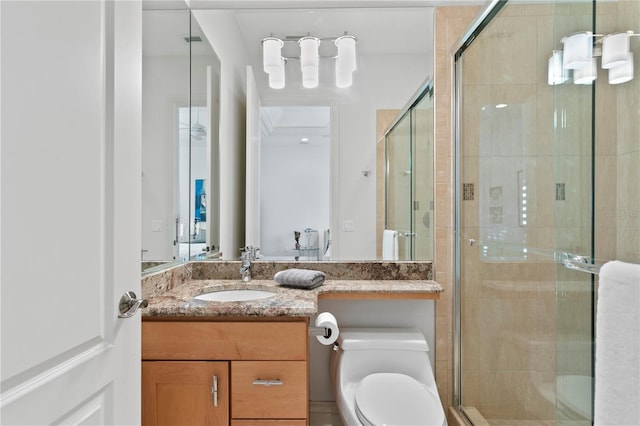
x,y
304,140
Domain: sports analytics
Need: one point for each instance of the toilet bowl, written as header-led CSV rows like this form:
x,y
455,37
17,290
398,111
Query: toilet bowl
x,y
383,376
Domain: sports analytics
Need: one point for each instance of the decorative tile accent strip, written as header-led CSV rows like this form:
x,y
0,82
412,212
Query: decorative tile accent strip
x,y
560,194
468,192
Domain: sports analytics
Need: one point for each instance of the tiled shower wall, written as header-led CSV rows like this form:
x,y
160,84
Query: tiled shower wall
x,y
617,215
450,23
618,145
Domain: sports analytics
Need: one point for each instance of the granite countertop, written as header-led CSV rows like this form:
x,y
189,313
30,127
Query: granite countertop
x,y
174,296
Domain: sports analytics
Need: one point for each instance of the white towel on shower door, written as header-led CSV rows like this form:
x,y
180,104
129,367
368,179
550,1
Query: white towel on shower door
x,y
389,245
617,381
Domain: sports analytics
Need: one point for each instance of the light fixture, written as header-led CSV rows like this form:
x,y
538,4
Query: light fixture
x,y
622,73
557,74
271,54
615,49
276,78
346,60
274,63
309,61
586,74
578,50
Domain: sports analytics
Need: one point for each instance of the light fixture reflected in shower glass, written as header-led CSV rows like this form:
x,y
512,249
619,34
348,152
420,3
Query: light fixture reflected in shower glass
x,y
557,74
578,50
309,61
586,74
615,49
623,73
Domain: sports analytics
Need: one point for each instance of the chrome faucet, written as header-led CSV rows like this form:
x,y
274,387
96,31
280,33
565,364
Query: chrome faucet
x,y
248,254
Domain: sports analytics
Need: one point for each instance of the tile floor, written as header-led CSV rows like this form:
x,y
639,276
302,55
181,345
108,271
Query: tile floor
x,y
324,414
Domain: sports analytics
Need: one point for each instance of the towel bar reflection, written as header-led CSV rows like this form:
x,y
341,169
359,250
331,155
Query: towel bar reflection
x,y
568,260
591,268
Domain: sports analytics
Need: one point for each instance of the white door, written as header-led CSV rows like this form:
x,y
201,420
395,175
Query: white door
x,y
70,211
254,106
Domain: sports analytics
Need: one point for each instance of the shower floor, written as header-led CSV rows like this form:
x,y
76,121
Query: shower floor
x,y
478,420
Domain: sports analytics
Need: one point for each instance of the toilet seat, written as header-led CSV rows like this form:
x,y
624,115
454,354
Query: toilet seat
x,y
396,399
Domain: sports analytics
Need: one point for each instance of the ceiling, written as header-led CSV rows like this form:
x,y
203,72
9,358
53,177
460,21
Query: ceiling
x,y
381,27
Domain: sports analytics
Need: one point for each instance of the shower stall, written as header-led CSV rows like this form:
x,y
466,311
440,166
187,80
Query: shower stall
x,y
547,170
409,180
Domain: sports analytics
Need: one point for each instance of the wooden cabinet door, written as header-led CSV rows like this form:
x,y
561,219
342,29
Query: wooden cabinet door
x,y
183,393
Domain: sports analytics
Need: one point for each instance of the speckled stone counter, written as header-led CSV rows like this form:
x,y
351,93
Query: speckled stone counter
x,y
171,292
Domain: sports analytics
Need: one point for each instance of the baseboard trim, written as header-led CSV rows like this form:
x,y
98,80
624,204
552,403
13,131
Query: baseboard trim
x,y
326,407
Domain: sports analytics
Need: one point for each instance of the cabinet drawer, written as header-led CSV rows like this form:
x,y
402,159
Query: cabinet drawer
x,y
282,422
269,390
224,340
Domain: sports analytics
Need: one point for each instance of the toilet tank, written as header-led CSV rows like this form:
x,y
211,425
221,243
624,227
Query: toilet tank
x,y
364,351
402,339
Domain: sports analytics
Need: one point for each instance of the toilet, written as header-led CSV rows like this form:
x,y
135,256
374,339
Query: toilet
x,y
383,376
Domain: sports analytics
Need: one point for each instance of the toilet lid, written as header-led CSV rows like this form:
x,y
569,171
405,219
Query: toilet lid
x,y
396,399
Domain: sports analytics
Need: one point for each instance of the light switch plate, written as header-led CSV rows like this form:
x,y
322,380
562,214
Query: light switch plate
x,y
347,225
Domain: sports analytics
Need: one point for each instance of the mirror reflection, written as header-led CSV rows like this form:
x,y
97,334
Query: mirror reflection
x,y
346,213
180,208
294,183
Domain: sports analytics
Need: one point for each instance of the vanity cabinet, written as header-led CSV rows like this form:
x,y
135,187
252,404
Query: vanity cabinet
x,y
236,373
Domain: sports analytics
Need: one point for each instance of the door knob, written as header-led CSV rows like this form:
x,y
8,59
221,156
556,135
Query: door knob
x,y
129,304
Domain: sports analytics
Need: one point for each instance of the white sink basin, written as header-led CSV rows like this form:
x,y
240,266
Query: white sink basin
x,y
235,295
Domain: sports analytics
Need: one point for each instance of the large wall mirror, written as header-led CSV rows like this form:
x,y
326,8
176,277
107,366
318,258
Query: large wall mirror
x,y
297,167
180,181
300,207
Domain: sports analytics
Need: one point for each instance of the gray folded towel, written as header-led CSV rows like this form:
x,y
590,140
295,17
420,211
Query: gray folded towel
x,y
300,278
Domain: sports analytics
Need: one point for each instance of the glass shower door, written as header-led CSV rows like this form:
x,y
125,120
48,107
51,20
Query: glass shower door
x,y
423,179
410,180
400,185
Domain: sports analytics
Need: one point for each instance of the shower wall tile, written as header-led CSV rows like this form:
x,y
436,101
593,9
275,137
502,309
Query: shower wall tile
x,y
628,210
545,113
521,66
512,394
450,23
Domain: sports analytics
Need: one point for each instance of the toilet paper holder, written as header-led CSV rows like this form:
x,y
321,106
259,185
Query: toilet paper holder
x,y
320,331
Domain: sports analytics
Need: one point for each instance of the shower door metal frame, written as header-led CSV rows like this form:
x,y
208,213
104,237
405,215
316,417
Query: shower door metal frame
x,y
484,17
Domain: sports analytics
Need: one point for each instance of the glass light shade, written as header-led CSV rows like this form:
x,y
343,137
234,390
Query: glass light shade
x,y
578,50
557,74
587,74
615,50
623,73
276,78
271,54
309,61
345,61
